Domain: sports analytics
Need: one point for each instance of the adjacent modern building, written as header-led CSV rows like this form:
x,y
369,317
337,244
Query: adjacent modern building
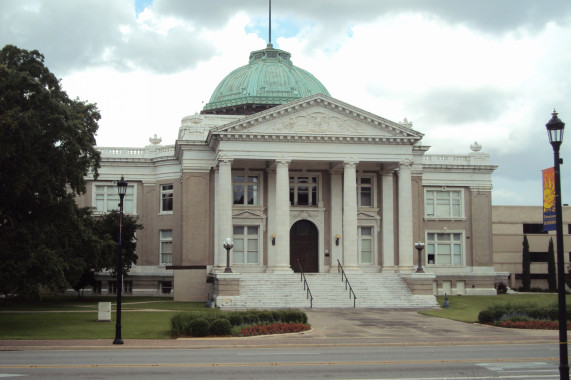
x,y
299,181
509,226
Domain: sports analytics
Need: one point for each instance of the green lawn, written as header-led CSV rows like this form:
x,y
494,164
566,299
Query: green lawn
x,y
149,318
69,318
467,308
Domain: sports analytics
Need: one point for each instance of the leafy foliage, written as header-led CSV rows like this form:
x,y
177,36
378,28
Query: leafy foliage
x,y
107,229
47,148
526,265
220,327
236,321
521,311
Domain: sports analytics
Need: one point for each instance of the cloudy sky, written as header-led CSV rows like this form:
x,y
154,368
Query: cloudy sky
x,y
490,71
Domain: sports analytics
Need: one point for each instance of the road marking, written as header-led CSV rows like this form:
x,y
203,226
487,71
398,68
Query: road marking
x,y
322,363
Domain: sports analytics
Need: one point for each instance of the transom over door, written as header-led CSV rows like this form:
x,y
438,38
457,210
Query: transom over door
x,y
304,246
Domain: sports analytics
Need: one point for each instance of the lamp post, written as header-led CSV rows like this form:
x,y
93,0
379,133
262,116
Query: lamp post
x,y
419,246
228,245
122,189
555,133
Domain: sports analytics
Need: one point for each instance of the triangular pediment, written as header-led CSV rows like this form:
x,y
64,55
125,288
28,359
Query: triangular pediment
x,y
318,116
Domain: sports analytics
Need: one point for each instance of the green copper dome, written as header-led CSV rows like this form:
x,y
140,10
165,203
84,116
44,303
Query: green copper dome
x,y
269,79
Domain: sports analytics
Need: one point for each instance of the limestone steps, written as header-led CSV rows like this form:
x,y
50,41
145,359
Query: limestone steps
x,y
372,290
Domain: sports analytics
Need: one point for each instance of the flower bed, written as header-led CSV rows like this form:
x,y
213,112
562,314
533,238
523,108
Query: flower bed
x,y
274,328
238,323
531,324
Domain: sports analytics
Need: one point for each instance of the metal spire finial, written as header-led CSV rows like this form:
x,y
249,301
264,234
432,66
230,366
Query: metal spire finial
x,y
270,27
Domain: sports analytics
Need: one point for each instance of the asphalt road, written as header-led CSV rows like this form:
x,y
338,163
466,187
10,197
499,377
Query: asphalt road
x,y
483,361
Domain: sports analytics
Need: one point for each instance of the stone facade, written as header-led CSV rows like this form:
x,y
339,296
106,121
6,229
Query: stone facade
x,y
315,180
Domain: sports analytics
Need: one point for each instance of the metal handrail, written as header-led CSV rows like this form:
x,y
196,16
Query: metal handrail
x,y
343,274
305,285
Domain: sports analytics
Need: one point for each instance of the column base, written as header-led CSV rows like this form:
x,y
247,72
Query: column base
x,y
406,269
218,269
279,269
352,269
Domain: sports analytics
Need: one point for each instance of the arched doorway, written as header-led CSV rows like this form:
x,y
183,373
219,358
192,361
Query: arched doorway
x,y
304,246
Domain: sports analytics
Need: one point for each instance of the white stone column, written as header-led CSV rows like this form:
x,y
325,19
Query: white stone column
x,y
350,247
224,203
217,263
271,204
281,224
405,216
388,231
336,208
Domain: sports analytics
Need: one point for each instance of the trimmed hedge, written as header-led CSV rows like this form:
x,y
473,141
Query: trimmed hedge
x,y
199,327
220,327
521,312
183,324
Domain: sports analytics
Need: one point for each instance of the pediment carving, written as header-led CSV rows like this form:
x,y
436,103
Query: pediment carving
x,y
321,117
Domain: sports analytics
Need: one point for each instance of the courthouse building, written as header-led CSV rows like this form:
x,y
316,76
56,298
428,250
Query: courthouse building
x,y
299,181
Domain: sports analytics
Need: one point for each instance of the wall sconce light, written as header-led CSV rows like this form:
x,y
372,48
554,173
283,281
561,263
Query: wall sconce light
x,y
273,239
337,237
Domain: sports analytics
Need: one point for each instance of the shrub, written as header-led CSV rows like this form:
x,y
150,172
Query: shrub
x,y
183,324
502,288
236,319
220,327
199,327
265,316
180,324
293,316
276,316
509,311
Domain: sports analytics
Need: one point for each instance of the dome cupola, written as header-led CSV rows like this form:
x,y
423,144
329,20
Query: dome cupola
x,y
268,80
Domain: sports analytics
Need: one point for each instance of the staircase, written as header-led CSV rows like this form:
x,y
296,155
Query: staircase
x,y
373,290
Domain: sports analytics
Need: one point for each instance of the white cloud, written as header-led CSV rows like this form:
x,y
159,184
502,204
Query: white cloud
x,y
460,72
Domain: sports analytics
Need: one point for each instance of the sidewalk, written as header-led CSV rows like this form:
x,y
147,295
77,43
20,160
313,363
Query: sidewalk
x,y
333,327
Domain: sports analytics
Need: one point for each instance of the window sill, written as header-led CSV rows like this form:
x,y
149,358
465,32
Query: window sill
x,y
166,212
435,219
444,266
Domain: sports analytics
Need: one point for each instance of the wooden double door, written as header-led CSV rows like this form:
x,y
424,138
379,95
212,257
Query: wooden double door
x,y
304,246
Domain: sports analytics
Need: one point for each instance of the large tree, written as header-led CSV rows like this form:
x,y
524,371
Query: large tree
x,y
47,148
102,253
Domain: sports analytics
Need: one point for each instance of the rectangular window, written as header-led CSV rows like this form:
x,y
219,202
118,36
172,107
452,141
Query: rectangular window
x,y
112,287
128,287
443,204
303,190
246,189
167,194
165,287
166,247
539,257
444,248
246,245
533,228
97,287
107,199
365,191
366,244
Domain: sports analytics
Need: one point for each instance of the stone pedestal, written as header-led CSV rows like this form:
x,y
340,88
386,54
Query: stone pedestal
x,y
104,312
420,283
